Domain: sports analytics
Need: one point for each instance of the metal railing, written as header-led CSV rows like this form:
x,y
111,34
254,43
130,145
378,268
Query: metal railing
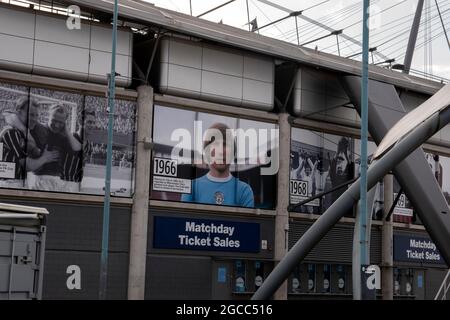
x,y
445,286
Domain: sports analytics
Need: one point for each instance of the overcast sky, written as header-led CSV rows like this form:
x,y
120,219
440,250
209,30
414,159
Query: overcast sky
x,y
390,25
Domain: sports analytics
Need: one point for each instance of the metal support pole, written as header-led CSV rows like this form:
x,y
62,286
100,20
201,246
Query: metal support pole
x,y
364,256
337,43
139,214
282,215
296,30
387,260
248,17
356,252
413,37
106,205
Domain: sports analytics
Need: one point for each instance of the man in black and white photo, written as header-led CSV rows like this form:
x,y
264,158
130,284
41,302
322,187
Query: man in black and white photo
x,y
18,144
55,136
341,167
13,141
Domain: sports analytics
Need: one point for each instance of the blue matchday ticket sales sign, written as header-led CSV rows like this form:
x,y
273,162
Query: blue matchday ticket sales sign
x,y
416,249
209,235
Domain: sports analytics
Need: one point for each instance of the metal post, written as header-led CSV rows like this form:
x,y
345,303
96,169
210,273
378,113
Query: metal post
x,y
413,37
248,16
139,214
337,43
296,30
364,254
356,252
282,214
387,276
110,110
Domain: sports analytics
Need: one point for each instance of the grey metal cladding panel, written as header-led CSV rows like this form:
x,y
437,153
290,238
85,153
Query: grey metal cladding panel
x,y
182,278
184,78
334,87
259,68
164,46
101,40
411,100
221,85
312,101
55,30
100,64
55,276
297,100
314,80
14,49
15,22
223,60
258,92
181,52
342,113
62,57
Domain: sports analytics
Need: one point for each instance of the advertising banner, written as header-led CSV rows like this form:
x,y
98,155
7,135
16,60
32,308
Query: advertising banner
x,y
209,235
56,141
211,159
319,162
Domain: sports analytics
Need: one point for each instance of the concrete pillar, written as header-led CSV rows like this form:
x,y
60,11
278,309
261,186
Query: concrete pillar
x,y
387,260
139,215
282,215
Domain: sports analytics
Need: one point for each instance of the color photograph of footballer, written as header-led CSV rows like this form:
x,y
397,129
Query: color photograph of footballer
x,y
219,186
192,164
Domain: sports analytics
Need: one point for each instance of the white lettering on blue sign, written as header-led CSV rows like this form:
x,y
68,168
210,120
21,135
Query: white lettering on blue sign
x,y
209,228
206,242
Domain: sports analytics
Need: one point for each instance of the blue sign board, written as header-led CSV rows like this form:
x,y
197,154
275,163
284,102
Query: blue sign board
x,y
209,235
416,249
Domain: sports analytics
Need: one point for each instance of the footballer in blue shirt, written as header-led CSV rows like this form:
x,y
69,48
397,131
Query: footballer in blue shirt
x,y
219,186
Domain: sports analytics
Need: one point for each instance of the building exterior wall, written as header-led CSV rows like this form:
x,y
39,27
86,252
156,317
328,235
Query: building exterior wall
x,y
319,105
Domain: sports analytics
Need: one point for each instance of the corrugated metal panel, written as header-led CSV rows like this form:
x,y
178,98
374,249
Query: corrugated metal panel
x,y
336,246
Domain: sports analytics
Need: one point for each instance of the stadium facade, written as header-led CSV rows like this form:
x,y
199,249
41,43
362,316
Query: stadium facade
x,y
173,235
